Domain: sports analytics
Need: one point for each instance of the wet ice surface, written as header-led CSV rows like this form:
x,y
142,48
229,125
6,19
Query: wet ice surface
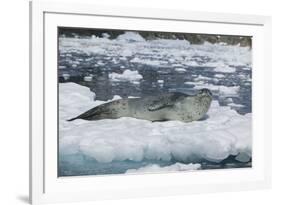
x,y
131,66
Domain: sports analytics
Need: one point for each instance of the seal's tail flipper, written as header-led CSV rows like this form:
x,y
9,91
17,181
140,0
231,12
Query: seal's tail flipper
x,y
75,118
91,114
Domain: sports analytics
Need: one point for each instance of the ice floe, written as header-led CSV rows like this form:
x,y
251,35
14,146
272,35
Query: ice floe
x,y
223,132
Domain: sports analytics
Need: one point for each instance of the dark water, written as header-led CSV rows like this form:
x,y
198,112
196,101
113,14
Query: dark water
x,y
79,164
105,89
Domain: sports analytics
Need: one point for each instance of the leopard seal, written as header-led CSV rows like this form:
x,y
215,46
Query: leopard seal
x,y
163,107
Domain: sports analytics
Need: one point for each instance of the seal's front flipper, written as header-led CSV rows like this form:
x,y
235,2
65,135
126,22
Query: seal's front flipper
x,y
166,101
158,106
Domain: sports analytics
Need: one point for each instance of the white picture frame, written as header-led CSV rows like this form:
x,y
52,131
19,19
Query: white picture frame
x,y
46,187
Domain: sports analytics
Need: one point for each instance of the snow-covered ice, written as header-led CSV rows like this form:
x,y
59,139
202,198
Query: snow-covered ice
x,y
224,132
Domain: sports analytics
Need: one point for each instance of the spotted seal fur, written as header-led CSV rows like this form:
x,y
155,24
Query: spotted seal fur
x,y
169,106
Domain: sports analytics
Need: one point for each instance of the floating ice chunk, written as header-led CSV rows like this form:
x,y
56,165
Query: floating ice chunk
x,y
116,97
221,89
62,67
220,66
100,63
88,78
192,63
242,76
229,100
65,76
219,75
235,105
180,70
115,61
130,37
225,69
160,81
243,157
228,91
89,59
200,77
197,83
174,167
148,61
246,68
171,60
223,133
105,35
127,75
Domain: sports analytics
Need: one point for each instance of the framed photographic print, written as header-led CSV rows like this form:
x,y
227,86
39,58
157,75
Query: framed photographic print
x,y
129,102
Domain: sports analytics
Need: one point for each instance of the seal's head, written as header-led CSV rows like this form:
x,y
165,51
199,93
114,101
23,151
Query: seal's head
x,y
205,92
